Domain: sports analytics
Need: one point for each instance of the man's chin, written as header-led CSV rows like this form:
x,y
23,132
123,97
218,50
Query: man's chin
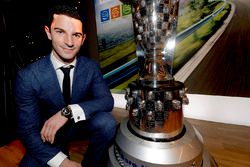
x,y
68,59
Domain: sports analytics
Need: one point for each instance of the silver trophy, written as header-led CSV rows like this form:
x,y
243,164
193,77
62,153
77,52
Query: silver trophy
x,y
155,100
155,134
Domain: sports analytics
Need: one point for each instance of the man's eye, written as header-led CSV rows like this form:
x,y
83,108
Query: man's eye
x,y
59,32
77,36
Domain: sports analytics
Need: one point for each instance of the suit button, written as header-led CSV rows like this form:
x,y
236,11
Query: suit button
x,y
78,117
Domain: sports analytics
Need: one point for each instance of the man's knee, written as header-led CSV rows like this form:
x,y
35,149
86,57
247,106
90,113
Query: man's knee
x,y
106,122
29,161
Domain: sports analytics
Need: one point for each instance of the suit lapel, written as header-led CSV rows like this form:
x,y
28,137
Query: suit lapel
x,y
79,79
49,82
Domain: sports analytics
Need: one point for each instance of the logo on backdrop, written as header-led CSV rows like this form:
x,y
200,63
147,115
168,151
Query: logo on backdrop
x,y
104,15
126,9
115,12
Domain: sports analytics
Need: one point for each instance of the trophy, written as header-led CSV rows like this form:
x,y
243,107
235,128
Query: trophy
x,y
156,134
155,100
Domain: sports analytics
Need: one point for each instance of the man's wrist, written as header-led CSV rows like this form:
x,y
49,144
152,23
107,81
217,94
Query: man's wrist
x,y
64,163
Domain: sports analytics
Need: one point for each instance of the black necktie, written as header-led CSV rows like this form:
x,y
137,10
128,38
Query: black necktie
x,y
66,83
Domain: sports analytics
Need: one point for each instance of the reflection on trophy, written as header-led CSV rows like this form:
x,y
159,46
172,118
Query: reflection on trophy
x,y
156,134
155,27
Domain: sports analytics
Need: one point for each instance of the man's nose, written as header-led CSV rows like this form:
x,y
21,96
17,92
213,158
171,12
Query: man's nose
x,y
69,41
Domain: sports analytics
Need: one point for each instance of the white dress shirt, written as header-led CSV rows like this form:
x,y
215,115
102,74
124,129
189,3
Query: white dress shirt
x,y
77,112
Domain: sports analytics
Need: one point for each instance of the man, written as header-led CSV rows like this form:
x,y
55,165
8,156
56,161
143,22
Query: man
x,y
48,120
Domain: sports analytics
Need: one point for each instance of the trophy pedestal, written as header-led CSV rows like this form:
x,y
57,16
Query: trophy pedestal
x,y
132,150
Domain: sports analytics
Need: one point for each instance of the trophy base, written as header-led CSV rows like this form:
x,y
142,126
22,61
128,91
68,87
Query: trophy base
x,y
156,112
130,150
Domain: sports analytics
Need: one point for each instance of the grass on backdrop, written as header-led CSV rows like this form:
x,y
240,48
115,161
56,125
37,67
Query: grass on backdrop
x,y
190,45
189,16
117,52
121,88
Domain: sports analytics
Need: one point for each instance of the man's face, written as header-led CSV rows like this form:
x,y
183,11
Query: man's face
x,y
67,37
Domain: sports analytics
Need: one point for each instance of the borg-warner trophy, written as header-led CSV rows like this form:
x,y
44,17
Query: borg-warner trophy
x,y
156,134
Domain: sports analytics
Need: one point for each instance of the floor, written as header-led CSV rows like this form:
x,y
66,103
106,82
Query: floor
x,y
228,144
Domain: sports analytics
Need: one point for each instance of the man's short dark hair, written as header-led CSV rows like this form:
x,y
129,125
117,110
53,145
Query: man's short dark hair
x,y
64,10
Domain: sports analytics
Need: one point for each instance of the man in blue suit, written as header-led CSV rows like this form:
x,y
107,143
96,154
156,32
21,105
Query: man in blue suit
x,y
47,120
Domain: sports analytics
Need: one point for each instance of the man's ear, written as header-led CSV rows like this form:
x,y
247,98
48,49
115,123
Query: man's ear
x,y
47,30
83,38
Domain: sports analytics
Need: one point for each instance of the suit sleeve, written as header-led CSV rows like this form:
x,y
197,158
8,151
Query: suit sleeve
x,y
101,98
29,118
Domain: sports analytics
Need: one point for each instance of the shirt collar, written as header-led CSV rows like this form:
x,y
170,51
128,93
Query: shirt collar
x,y
57,64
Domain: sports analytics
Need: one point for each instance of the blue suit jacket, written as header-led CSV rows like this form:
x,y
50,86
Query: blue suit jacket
x,y
38,97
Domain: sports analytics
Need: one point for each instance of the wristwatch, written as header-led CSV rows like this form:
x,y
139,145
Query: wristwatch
x,y
66,112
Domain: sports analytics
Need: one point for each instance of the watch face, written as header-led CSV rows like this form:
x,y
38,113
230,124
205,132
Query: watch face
x,y
66,112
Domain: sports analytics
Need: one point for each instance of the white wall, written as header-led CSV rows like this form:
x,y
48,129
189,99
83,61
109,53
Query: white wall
x,y
224,109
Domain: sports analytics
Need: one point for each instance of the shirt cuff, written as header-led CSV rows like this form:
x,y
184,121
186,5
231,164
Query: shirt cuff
x,y
77,113
57,159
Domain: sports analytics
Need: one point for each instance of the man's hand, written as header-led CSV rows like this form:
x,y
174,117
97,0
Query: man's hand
x,y
51,126
68,163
